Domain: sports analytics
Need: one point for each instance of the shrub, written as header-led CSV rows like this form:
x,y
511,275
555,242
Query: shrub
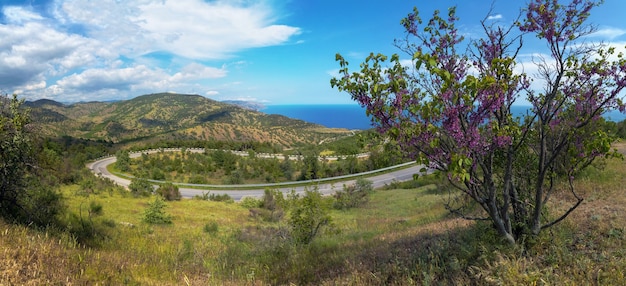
x,y
197,179
211,227
273,199
308,217
157,174
155,212
140,187
220,198
169,192
354,195
214,197
250,202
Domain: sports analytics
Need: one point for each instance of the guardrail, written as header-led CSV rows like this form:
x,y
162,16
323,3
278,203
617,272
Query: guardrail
x,y
281,184
240,153
243,153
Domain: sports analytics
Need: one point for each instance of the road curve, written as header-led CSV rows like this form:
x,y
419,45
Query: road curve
x,y
99,168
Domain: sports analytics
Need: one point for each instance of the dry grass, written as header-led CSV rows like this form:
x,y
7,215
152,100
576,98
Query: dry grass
x,y
401,237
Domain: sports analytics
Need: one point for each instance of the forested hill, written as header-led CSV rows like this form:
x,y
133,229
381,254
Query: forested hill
x,y
168,116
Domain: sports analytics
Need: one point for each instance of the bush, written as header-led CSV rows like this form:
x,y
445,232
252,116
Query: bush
x,y
211,227
155,213
169,192
354,195
140,187
273,200
250,202
221,198
157,174
308,217
214,197
89,230
197,179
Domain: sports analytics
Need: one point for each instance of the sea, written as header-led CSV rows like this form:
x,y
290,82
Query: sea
x,y
352,116
349,116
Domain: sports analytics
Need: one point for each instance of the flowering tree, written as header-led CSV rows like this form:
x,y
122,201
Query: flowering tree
x,y
452,109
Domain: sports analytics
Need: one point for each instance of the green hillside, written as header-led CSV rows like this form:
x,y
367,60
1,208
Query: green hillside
x,y
167,116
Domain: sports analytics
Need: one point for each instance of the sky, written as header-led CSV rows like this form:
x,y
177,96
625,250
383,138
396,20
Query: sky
x,y
269,51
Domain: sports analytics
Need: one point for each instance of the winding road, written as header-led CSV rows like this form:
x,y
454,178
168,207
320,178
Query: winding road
x,y
401,173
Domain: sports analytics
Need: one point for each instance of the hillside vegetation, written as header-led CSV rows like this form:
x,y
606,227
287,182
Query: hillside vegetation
x,y
167,116
101,233
402,236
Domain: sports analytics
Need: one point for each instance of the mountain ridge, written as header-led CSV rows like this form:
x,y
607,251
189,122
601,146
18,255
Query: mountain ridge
x,y
170,116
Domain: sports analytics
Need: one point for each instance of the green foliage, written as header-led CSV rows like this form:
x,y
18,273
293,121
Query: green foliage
x,y
39,204
122,162
273,199
157,174
235,178
140,187
155,212
402,237
311,168
87,226
208,196
26,195
135,121
250,202
354,195
464,126
169,192
197,179
307,217
270,207
220,198
211,227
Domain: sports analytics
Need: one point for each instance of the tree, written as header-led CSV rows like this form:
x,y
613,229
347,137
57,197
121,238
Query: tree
x,y
452,109
24,196
307,217
311,168
155,212
122,162
140,187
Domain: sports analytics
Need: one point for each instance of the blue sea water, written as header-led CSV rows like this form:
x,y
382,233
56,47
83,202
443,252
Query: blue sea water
x,y
350,116
353,116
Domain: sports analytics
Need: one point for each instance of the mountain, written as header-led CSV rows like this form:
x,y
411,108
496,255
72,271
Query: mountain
x,y
252,105
168,116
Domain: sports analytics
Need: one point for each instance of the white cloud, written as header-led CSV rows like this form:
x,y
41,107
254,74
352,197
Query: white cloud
x,y
198,29
334,73
33,51
16,14
608,33
97,79
495,17
188,28
195,71
86,50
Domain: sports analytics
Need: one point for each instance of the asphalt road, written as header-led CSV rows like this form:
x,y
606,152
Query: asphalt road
x,y
403,174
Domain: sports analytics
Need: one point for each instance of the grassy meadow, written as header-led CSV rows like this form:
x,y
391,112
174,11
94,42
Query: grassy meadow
x,y
401,236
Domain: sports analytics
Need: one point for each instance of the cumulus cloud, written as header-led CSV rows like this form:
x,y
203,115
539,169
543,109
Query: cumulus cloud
x,y
495,17
188,28
33,51
16,14
195,71
83,49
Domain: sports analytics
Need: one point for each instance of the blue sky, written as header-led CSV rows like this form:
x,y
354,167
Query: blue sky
x,y
271,51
